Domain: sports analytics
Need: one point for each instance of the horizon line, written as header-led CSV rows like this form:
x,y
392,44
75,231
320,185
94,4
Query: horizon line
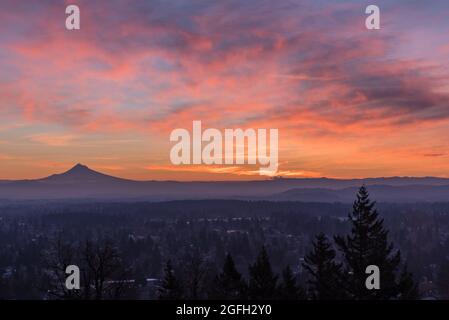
x,y
273,178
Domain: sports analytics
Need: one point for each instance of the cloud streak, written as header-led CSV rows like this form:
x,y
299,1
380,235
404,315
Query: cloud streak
x,y
308,68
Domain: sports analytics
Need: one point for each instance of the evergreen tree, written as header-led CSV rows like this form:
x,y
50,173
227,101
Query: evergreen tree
x,y
262,281
229,283
407,288
325,273
368,245
288,289
171,288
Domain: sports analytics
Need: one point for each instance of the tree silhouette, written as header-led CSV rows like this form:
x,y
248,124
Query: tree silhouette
x,y
103,271
367,245
288,289
194,273
171,288
102,275
55,261
325,273
229,284
262,280
408,290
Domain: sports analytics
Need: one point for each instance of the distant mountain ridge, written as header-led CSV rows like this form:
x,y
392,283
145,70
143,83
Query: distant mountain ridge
x,y
384,193
80,173
83,182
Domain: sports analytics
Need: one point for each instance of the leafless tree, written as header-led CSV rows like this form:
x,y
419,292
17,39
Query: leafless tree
x,y
56,260
102,272
194,273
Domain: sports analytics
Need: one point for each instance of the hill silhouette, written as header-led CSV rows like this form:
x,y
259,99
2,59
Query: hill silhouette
x,y
81,173
82,182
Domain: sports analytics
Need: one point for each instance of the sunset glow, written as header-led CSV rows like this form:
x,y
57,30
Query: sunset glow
x,y
348,102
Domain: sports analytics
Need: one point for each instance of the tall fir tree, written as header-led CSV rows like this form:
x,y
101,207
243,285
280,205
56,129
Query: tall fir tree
x,y
289,289
229,284
262,280
325,273
367,245
171,288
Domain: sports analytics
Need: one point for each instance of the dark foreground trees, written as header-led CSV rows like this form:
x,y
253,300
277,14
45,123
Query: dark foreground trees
x,y
332,274
332,269
262,280
229,284
102,273
326,275
171,287
289,288
367,244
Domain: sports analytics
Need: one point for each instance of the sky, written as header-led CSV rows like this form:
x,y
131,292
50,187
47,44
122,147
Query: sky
x,y
348,102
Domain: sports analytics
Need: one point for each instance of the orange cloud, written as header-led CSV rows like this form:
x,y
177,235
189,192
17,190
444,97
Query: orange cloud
x,y
53,140
346,103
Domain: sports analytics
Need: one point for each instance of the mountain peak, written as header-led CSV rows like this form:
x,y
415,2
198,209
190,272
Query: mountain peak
x,y
79,168
79,173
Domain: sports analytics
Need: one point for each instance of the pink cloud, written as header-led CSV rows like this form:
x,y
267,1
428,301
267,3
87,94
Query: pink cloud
x,y
150,70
